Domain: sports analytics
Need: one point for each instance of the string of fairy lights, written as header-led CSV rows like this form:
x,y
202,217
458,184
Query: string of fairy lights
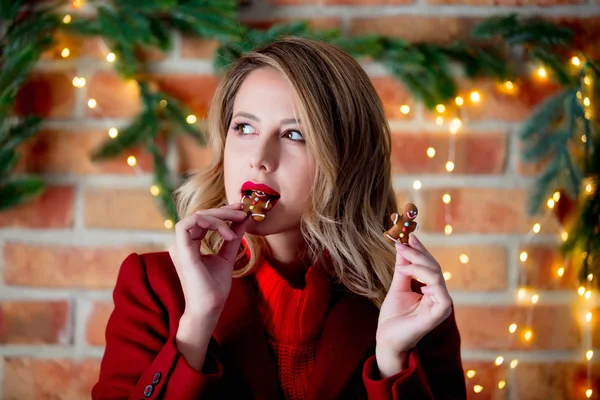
x,y
525,295
453,116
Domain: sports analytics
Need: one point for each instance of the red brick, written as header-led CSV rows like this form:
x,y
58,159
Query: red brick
x,y
415,28
47,94
192,155
487,375
193,47
194,91
478,210
34,378
66,266
486,327
542,265
120,208
553,380
115,97
496,103
393,95
34,322
475,153
68,152
52,209
96,324
316,23
485,270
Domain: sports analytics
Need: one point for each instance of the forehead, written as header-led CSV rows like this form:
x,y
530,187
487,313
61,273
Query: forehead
x,y
265,90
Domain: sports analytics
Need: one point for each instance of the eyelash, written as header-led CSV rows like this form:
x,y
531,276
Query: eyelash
x,y
236,127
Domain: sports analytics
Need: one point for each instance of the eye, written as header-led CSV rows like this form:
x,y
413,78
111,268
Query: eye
x,y
240,128
298,136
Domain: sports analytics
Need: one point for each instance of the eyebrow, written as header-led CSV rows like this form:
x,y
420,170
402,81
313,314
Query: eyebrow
x,y
289,121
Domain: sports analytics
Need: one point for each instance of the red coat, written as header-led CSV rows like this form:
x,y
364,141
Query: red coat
x,y
141,359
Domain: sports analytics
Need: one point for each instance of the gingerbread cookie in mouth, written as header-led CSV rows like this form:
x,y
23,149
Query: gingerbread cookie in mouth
x,y
258,203
404,224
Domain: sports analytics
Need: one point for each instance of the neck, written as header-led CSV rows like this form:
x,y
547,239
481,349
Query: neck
x,y
287,254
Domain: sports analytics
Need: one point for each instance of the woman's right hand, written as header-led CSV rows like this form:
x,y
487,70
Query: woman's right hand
x,y
206,278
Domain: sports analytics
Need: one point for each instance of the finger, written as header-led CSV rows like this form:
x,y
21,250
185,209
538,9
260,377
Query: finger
x,y
225,213
415,256
208,222
441,298
230,248
423,274
415,243
196,225
400,282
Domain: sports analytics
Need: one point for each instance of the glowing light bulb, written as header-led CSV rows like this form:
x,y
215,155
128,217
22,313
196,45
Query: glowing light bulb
x,y
440,108
588,393
522,293
448,229
509,86
587,80
588,188
431,152
163,103
535,298
576,61
404,109
528,335
131,161
586,102
579,95
446,198
512,328
78,82
65,52
154,190
455,125
523,256
564,235
168,223
581,290
111,57
556,196
588,316
590,277
499,360
449,166
92,103
464,258
501,384
471,373
588,294
447,276
67,19
536,228
459,101
113,132
560,272
417,185
584,138
477,388
475,96
542,73
589,354
191,119
514,363
439,121
550,203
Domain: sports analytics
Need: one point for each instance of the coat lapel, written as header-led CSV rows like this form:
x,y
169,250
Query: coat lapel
x,y
241,333
348,339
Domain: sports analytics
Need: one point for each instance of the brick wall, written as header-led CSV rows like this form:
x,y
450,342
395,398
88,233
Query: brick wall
x,y
60,254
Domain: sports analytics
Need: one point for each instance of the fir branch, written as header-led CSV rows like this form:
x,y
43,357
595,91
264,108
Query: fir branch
x,y
19,190
162,180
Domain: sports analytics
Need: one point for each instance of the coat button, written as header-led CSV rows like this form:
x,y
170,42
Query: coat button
x,y
148,390
156,378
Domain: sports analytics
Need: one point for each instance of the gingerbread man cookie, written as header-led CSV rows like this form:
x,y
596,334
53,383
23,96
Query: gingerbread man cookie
x,y
404,224
256,205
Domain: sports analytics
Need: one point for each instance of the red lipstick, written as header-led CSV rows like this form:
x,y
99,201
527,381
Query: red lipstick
x,y
259,187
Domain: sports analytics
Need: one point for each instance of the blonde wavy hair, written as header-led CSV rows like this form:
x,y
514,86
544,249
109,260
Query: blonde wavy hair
x,y
348,138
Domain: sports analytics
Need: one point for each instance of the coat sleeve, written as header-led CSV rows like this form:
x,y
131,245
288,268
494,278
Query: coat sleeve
x,y
141,359
434,369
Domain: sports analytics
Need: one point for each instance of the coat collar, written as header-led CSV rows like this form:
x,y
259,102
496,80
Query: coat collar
x,y
347,340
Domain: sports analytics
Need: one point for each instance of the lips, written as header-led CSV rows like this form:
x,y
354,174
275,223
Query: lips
x,y
260,188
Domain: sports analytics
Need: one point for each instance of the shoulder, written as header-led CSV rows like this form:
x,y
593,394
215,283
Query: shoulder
x,y
151,274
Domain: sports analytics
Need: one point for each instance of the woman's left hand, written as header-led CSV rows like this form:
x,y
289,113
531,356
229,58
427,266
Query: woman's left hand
x,y
405,316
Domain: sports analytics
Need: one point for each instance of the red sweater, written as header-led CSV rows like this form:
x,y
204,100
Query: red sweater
x,y
293,319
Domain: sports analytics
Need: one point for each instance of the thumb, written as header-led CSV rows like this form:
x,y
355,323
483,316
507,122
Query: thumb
x,y
230,248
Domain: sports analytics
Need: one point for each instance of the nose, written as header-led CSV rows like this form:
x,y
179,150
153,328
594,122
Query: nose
x,y
264,155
